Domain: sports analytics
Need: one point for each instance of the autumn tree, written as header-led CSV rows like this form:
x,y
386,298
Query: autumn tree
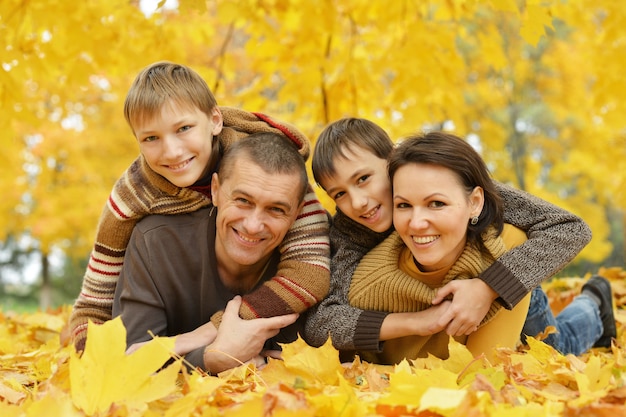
x,y
536,85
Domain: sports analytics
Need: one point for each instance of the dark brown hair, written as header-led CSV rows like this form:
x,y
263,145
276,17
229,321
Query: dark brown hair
x,y
450,151
342,135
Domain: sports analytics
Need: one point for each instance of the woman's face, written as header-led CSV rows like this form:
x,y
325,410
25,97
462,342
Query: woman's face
x,y
431,212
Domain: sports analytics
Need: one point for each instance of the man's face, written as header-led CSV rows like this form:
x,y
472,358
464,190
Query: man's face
x,y
255,211
177,143
361,188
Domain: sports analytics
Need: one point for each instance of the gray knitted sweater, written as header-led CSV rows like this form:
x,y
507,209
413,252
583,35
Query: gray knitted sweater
x,y
555,237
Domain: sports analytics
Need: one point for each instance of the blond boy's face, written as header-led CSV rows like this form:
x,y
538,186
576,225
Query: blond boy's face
x,y
361,188
177,143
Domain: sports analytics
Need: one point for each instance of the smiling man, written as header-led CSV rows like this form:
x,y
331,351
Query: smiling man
x,y
180,270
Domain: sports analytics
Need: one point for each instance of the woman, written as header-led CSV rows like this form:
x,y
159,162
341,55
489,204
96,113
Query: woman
x,y
449,226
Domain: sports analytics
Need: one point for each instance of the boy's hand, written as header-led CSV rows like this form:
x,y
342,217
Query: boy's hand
x,y
471,300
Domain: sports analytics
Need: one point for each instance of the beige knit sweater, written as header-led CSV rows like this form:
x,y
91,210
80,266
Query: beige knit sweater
x,y
380,284
303,273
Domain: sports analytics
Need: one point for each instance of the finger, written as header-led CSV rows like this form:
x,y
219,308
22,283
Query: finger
x,y
274,354
233,305
442,293
278,322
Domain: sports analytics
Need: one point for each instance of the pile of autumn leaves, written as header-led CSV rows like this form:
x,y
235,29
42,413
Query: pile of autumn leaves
x,y
42,376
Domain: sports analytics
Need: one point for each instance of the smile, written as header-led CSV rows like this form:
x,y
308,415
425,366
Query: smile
x,y
421,240
247,239
371,213
180,166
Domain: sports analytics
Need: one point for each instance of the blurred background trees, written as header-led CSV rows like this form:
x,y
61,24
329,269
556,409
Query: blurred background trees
x,y
536,86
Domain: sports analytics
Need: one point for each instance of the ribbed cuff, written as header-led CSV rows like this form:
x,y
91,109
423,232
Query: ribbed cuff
x,y
502,281
367,332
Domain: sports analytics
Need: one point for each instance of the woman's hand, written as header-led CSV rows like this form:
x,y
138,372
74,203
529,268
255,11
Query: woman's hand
x,y
471,300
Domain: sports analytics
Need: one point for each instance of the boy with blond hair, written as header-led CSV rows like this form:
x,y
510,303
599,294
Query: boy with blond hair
x,y
182,133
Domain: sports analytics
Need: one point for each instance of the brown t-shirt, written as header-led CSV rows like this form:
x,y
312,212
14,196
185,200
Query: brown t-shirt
x,y
169,282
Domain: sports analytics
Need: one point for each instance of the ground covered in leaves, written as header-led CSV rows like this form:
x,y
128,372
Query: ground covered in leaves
x,y
41,376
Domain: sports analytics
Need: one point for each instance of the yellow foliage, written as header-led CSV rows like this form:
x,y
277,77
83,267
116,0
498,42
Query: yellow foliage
x,y
44,376
537,83
105,376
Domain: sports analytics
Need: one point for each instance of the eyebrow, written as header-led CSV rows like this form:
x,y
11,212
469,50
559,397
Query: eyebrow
x,y
284,205
358,173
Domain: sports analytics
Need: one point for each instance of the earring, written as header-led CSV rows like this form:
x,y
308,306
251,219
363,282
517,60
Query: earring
x,y
474,221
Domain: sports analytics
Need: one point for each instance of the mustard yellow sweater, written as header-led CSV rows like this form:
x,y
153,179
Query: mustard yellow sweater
x,y
388,280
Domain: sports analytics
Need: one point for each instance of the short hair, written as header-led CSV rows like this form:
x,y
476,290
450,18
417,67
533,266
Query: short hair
x,y
272,152
163,81
342,135
452,152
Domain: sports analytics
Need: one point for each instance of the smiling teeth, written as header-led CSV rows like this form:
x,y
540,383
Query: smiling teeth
x,y
424,239
370,213
248,239
181,165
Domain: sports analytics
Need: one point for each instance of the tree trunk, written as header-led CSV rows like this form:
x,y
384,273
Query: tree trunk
x,y
45,294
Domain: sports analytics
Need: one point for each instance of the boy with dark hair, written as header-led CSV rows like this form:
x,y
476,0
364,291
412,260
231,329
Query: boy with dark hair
x,y
350,164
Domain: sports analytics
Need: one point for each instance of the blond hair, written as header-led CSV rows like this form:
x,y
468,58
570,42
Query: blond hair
x,y
163,81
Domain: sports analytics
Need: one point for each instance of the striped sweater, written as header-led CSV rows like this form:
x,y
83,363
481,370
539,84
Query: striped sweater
x,y
303,273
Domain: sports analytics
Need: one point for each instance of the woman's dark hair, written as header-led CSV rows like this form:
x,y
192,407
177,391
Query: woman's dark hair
x,y
450,151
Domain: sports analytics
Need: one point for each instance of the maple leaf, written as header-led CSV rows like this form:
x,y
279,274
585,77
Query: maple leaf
x,y
104,375
315,365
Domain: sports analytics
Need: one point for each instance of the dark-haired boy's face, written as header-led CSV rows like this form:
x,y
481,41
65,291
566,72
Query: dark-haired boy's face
x,y
361,188
177,143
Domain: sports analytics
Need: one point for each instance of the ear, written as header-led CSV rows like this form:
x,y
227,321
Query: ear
x,y
217,120
215,188
477,200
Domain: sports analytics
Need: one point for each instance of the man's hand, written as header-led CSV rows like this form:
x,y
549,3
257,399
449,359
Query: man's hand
x,y
471,299
186,342
239,341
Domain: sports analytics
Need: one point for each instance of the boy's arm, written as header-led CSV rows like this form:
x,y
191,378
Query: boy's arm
x,y
349,327
137,193
555,237
303,275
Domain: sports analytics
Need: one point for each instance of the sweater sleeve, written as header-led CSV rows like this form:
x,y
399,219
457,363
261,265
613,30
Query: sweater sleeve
x,y
555,237
137,193
303,275
349,327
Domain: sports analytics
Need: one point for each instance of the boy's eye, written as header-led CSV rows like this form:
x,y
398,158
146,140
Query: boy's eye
x,y
150,139
184,128
362,179
338,195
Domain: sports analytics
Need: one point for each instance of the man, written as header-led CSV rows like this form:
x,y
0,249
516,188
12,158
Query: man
x,y
179,270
